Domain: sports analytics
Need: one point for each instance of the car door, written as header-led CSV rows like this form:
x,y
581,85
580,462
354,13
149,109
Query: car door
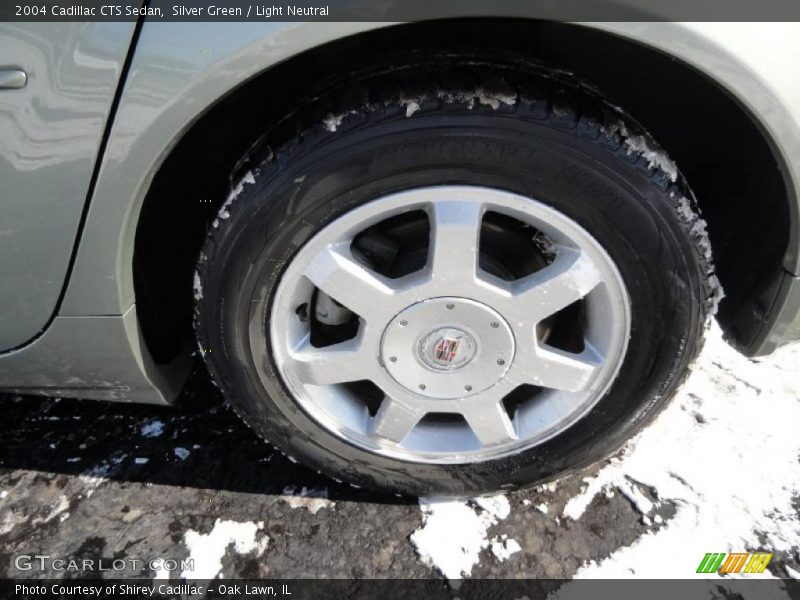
x,y
57,86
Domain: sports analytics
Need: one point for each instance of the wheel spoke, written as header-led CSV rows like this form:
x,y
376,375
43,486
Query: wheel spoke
x,y
546,409
568,279
490,423
336,272
455,232
339,363
553,368
395,419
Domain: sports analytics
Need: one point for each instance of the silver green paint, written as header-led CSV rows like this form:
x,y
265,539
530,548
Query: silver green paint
x,y
51,129
99,358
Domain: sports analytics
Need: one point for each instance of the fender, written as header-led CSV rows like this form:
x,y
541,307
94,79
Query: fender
x,y
179,70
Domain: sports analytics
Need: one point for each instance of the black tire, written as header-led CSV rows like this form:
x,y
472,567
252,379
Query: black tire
x,y
491,125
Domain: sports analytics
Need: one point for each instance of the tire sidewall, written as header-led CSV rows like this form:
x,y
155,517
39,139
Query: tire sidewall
x,y
614,201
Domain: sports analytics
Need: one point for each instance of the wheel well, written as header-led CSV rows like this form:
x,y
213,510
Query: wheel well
x,y
720,150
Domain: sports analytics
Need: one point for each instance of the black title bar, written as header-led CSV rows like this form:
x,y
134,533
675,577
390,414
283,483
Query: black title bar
x,y
397,10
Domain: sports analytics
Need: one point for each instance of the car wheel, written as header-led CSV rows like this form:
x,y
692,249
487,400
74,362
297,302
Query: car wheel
x,y
476,284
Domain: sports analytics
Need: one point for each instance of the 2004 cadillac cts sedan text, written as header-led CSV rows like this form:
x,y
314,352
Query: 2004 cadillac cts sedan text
x,y
416,257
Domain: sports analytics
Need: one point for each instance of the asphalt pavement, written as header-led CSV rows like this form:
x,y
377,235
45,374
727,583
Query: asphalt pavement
x,y
140,486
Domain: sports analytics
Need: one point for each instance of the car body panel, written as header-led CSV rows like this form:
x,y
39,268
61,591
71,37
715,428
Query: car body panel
x,y
179,70
51,133
97,358
784,324
757,65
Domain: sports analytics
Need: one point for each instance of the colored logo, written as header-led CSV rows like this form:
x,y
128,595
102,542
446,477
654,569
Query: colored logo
x,y
446,349
735,562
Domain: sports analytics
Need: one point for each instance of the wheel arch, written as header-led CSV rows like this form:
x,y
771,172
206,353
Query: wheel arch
x,y
154,225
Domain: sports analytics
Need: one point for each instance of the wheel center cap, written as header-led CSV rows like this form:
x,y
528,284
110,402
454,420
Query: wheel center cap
x,y
447,347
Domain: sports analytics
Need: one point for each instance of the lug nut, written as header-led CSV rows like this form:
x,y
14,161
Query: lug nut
x,y
494,324
403,323
392,359
451,306
468,388
421,386
500,361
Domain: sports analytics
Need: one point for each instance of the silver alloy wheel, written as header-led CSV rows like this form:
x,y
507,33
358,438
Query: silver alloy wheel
x,y
450,338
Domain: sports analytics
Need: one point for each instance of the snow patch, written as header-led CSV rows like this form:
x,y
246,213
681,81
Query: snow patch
x,y
453,533
207,549
699,228
497,506
333,121
502,547
450,97
141,460
495,99
224,211
182,453
411,105
197,285
683,458
312,499
717,294
546,487
577,505
639,144
152,429
632,492
542,508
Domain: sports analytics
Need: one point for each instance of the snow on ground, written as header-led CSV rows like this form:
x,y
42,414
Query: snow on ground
x,y
152,429
312,499
504,546
717,471
726,453
207,549
454,532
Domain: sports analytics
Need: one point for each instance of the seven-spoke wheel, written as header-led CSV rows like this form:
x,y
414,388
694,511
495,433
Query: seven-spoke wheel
x,y
482,294
456,350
